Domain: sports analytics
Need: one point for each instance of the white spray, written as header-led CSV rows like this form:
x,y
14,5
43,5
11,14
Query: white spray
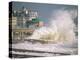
x,y
61,28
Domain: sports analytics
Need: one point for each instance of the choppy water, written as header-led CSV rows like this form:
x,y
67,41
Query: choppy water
x,y
61,28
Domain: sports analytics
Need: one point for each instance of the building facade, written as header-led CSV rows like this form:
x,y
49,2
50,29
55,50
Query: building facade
x,y
24,22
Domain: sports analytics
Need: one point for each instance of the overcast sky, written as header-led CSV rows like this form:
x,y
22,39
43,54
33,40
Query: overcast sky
x,y
44,10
